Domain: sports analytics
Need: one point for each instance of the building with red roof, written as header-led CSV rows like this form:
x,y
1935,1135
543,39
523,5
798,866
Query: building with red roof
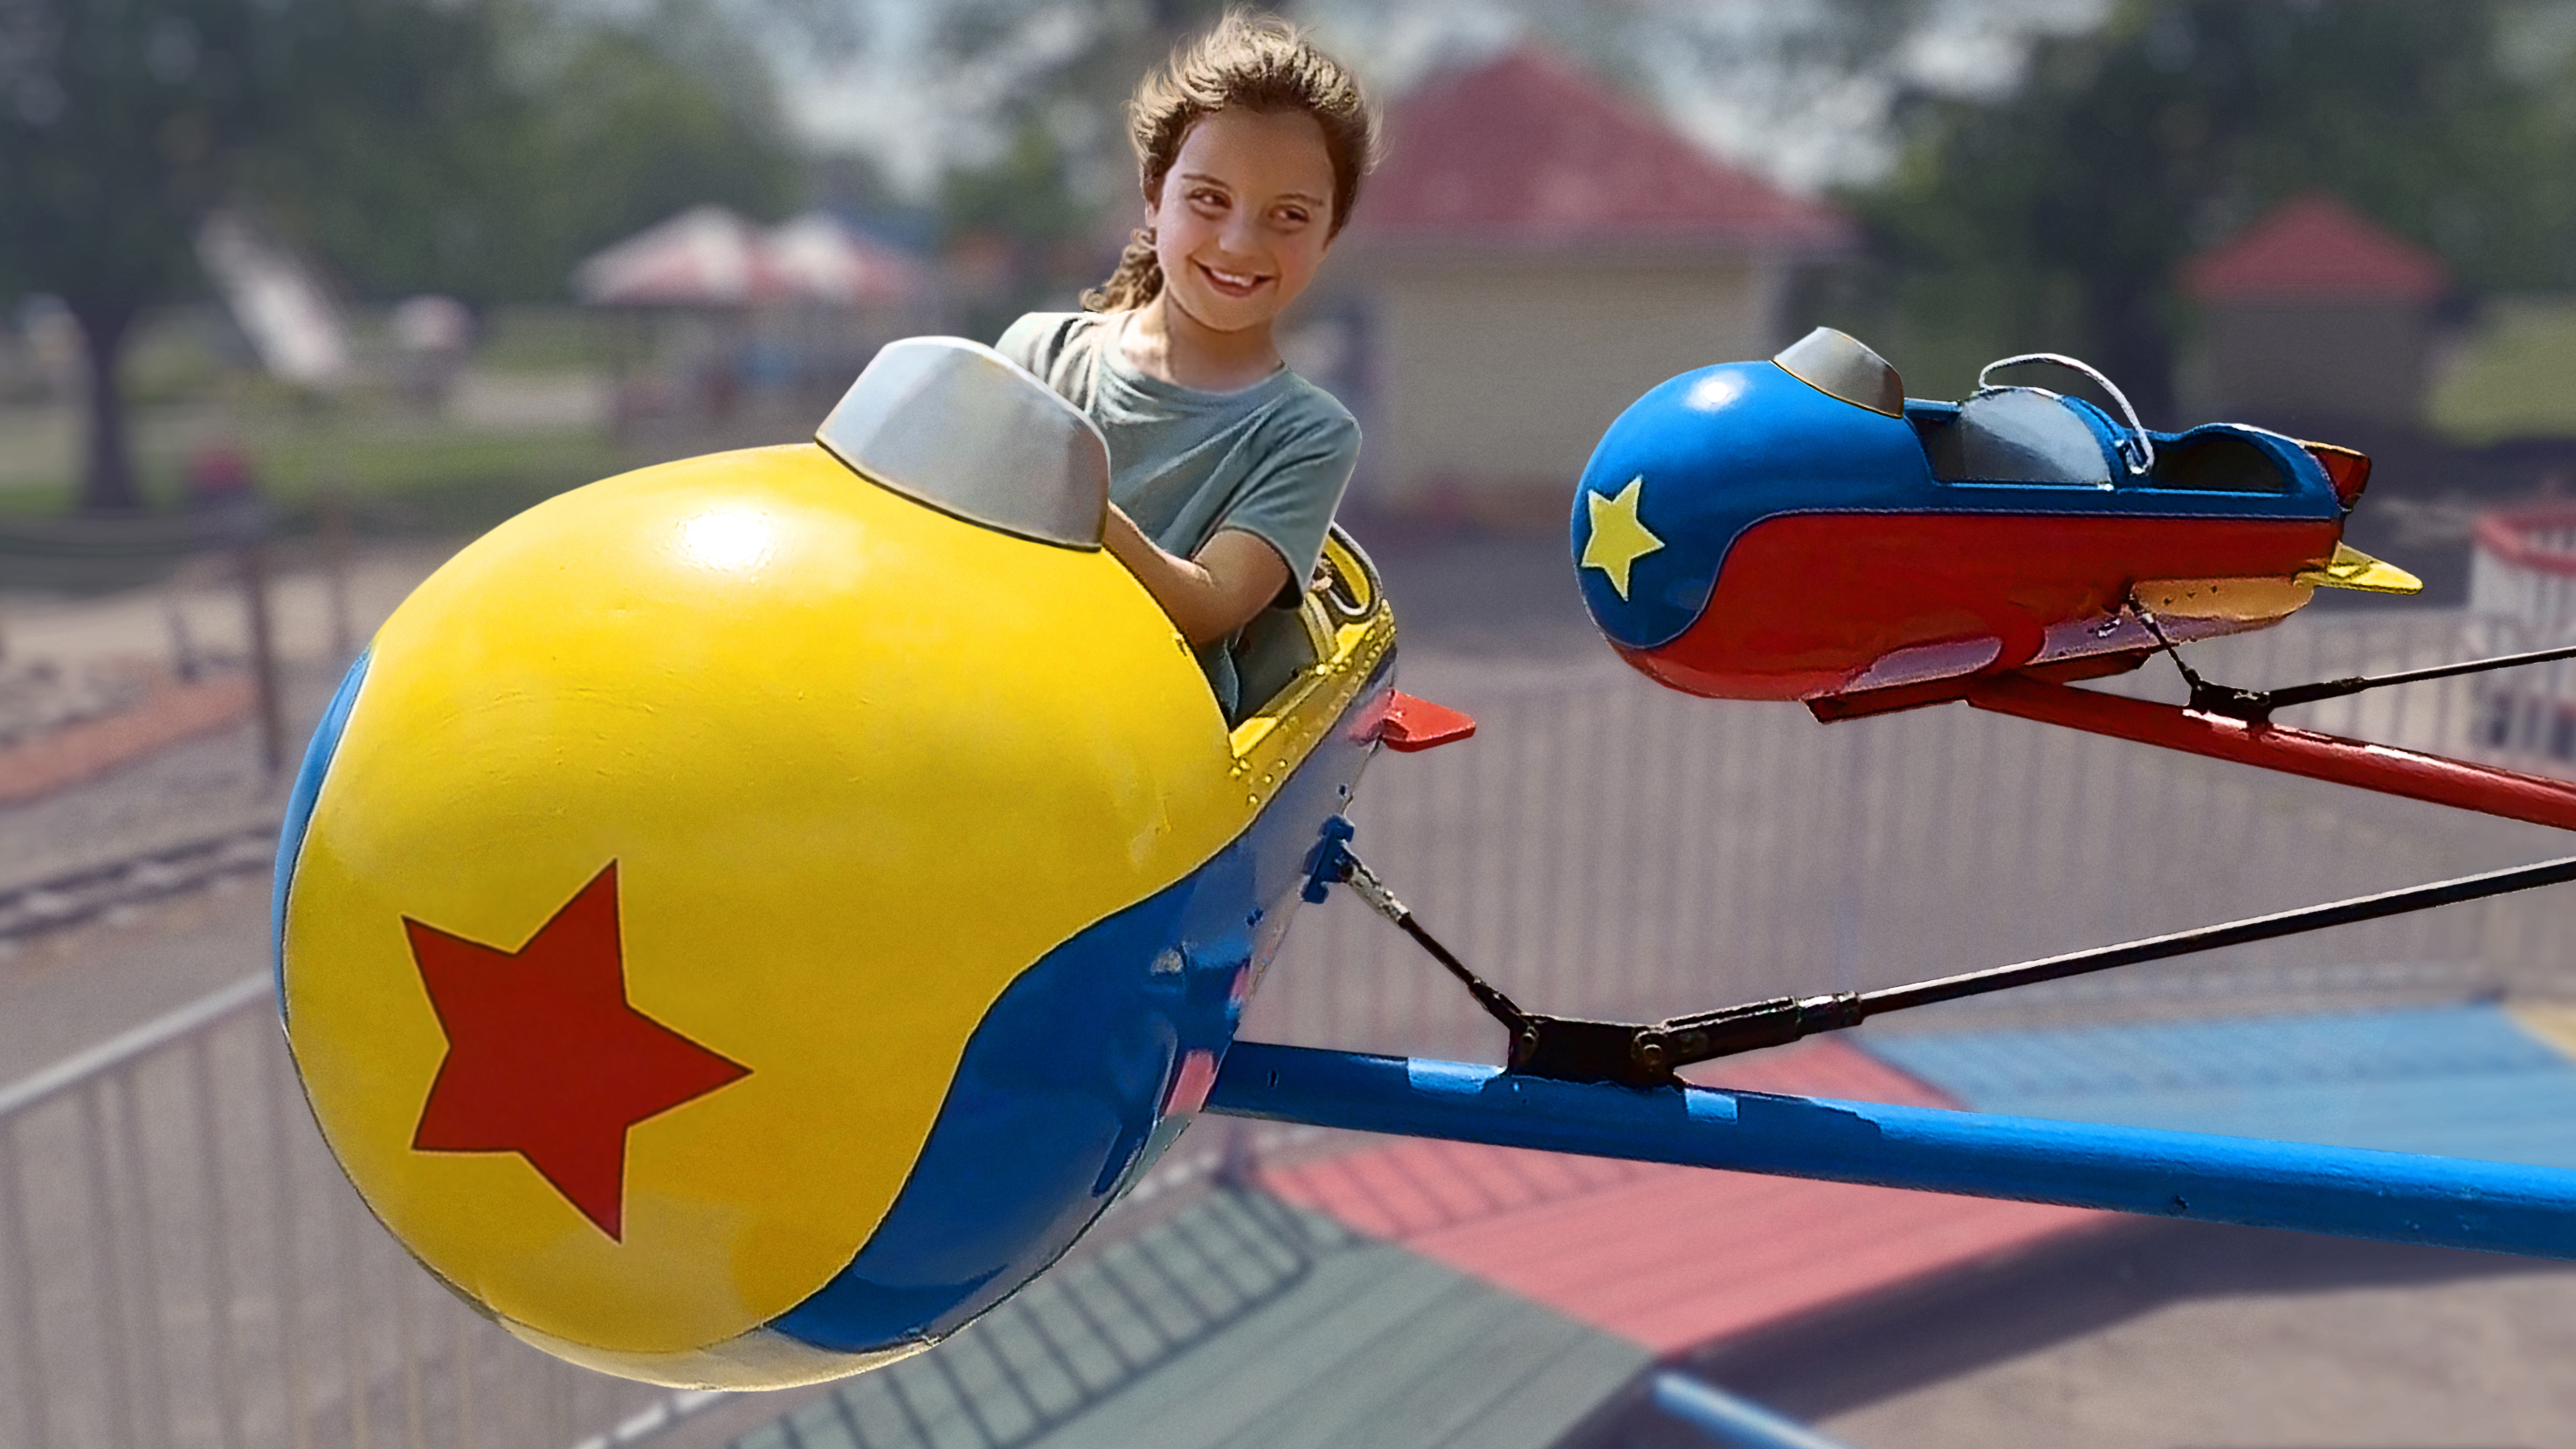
x,y
2316,312
1535,252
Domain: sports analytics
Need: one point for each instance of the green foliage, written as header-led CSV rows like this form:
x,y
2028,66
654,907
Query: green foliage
x,y
123,121
1025,192
2059,215
2511,379
472,146
400,475
553,143
478,147
1020,231
434,480
548,338
118,122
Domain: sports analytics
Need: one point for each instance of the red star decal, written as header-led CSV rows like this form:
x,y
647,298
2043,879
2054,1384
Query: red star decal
x,y
546,1059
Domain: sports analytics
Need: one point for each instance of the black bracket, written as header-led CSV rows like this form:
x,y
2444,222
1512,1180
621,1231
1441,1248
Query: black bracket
x,y
1571,1049
2255,706
1568,1049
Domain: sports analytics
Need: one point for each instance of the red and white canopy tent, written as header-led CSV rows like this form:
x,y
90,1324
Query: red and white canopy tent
x,y
715,298
817,256
711,257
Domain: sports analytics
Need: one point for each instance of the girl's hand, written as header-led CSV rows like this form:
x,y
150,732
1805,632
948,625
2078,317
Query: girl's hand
x,y
1210,595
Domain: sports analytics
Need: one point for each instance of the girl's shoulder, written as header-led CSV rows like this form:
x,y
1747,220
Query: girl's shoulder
x,y
1039,341
1308,410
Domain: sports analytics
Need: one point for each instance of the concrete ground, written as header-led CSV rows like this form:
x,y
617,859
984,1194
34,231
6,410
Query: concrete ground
x,y
2192,1336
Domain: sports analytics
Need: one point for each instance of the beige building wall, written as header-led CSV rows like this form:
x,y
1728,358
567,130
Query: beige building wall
x,y
2361,361
1495,377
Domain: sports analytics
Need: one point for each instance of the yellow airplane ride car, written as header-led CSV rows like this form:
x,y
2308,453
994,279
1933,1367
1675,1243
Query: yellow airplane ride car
x,y
743,918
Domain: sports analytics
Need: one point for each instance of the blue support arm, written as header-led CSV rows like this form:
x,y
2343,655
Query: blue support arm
x,y
1722,1419
2349,1192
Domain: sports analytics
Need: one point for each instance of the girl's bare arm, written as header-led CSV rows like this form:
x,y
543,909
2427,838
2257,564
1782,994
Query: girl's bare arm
x,y
1208,596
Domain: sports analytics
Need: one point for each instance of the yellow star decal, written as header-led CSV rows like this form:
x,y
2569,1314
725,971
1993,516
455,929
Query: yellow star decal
x,y
1618,539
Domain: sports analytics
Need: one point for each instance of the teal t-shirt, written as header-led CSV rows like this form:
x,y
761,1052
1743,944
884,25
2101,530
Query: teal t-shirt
x,y
1271,459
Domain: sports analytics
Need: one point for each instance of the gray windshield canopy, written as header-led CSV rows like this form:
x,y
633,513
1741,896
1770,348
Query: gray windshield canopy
x,y
958,426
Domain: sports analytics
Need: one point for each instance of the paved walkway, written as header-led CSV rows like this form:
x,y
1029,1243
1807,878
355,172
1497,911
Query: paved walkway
x,y
73,989
70,990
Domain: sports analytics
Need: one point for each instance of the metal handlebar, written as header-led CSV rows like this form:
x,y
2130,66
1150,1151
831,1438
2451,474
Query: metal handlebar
x,y
2145,456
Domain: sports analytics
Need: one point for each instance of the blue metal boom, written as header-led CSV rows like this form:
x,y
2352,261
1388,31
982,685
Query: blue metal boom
x,y
2345,1191
1722,1419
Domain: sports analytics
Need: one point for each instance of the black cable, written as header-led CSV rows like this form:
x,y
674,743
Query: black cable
x,y
2212,938
2255,706
1500,1007
1351,871
2288,695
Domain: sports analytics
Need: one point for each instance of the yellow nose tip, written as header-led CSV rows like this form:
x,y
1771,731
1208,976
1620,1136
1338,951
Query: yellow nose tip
x,y
2350,568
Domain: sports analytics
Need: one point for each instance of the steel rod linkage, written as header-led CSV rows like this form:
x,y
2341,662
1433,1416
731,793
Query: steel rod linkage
x,y
2255,706
2220,721
1647,1054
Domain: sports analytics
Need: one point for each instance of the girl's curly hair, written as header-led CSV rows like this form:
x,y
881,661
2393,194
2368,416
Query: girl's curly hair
x,y
1256,62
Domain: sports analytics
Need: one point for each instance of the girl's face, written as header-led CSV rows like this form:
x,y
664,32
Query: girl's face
x,y
1244,217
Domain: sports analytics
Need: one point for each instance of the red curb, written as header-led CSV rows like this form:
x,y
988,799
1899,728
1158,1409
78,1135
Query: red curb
x,y
93,747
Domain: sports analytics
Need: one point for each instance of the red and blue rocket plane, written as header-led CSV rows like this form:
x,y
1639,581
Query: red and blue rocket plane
x,y
1799,529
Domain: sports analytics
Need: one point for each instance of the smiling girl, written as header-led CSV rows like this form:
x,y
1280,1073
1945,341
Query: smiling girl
x,y
1225,465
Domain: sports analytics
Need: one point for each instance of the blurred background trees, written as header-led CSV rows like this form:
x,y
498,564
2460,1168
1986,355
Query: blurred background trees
x,y
506,163
476,147
2060,213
